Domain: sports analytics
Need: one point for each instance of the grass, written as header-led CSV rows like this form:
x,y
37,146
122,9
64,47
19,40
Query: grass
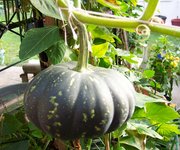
x,y
10,42
154,36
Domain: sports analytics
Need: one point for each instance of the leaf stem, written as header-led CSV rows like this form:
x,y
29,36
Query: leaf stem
x,y
150,9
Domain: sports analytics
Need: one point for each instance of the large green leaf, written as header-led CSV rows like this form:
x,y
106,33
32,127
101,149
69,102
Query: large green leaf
x,y
19,145
56,52
38,40
160,112
142,99
47,7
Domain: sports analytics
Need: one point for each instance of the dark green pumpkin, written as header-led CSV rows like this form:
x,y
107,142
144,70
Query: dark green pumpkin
x,y
68,104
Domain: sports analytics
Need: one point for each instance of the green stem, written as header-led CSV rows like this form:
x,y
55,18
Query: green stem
x,y
84,48
89,144
169,30
121,22
84,17
84,45
77,3
150,9
125,23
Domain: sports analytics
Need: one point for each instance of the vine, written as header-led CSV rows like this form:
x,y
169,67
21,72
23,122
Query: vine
x,y
89,17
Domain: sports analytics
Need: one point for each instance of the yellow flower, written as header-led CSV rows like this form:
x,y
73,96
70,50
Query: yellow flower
x,y
177,59
174,64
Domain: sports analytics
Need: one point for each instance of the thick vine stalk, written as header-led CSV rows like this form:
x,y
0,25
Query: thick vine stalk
x,y
150,9
119,22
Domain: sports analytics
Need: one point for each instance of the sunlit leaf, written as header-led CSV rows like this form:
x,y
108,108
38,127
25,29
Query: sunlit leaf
x,y
148,73
134,2
160,112
139,113
38,40
168,130
100,50
130,59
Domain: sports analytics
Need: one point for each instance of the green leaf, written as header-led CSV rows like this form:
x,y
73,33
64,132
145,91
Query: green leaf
x,y
143,129
38,40
148,74
105,62
117,133
130,59
160,112
131,141
134,2
69,56
168,130
56,52
10,124
139,113
142,99
118,147
102,33
100,50
47,7
37,134
21,145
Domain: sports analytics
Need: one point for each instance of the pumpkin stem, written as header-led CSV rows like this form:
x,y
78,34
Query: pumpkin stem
x,y
84,42
84,48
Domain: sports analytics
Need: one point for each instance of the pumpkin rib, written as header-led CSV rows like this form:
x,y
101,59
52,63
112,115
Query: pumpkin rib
x,y
118,102
33,108
87,106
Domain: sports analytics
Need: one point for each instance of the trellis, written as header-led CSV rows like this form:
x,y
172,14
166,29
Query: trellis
x,y
18,14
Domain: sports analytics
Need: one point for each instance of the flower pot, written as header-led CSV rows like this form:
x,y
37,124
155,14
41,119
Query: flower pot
x,y
175,22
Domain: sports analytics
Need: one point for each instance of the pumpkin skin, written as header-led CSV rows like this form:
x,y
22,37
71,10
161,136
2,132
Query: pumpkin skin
x,y
68,104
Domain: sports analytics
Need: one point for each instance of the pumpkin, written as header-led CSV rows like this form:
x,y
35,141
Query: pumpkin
x,y
69,104
70,101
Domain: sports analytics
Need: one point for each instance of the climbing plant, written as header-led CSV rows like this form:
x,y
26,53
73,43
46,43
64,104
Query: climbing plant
x,y
154,124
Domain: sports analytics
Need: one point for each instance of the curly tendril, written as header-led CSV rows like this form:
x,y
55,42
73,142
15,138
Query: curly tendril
x,y
144,31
